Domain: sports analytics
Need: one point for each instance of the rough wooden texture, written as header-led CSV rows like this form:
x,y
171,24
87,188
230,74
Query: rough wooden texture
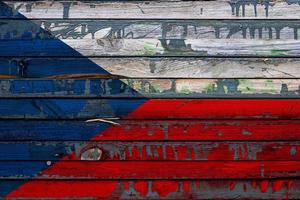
x,y
151,47
151,67
151,151
156,9
151,130
124,107
151,29
152,88
158,189
149,170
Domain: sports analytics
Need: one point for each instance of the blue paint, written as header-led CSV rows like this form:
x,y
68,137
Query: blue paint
x,y
46,108
44,67
9,185
47,47
8,12
36,48
8,67
35,151
39,47
66,108
64,88
22,169
49,130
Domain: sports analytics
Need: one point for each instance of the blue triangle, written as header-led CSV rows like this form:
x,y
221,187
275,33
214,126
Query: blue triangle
x,y
25,44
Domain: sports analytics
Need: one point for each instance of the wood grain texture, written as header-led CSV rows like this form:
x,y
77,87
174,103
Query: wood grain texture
x,y
149,109
149,29
151,88
145,170
124,107
146,67
216,9
151,130
150,151
150,47
157,189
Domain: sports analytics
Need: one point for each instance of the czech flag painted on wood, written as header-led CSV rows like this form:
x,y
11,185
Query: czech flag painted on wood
x,y
149,99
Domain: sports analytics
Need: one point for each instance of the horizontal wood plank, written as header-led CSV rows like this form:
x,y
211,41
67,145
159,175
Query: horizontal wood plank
x,y
149,109
150,47
149,29
151,88
150,170
154,151
149,130
215,9
150,67
162,189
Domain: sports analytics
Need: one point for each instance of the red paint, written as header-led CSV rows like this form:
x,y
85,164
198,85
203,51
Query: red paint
x,y
189,130
264,186
60,189
217,109
109,189
163,188
182,130
172,170
186,186
254,184
277,185
231,186
183,151
141,187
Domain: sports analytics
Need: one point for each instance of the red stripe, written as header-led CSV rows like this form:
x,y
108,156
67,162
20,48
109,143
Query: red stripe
x,y
172,170
163,189
217,109
182,151
162,109
190,130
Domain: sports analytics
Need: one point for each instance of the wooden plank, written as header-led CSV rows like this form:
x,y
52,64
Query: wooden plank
x,y
151,29
150,151
149,109
149,130
158,189
216,9
150,47
146,170
151,67
151,88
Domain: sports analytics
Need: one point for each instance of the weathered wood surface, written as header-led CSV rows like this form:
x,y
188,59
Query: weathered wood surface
x,y
149,109
145,170
113,115
151,29
174,67
150,151
150,47
157,189
151,130
151,88
216,9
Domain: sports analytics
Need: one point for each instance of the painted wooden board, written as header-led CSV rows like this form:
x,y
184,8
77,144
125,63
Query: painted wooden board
x,y
152,29
162,189
149,138
150,150
151,88
149,109
150,47
150,130
216,9
145,67
146,170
